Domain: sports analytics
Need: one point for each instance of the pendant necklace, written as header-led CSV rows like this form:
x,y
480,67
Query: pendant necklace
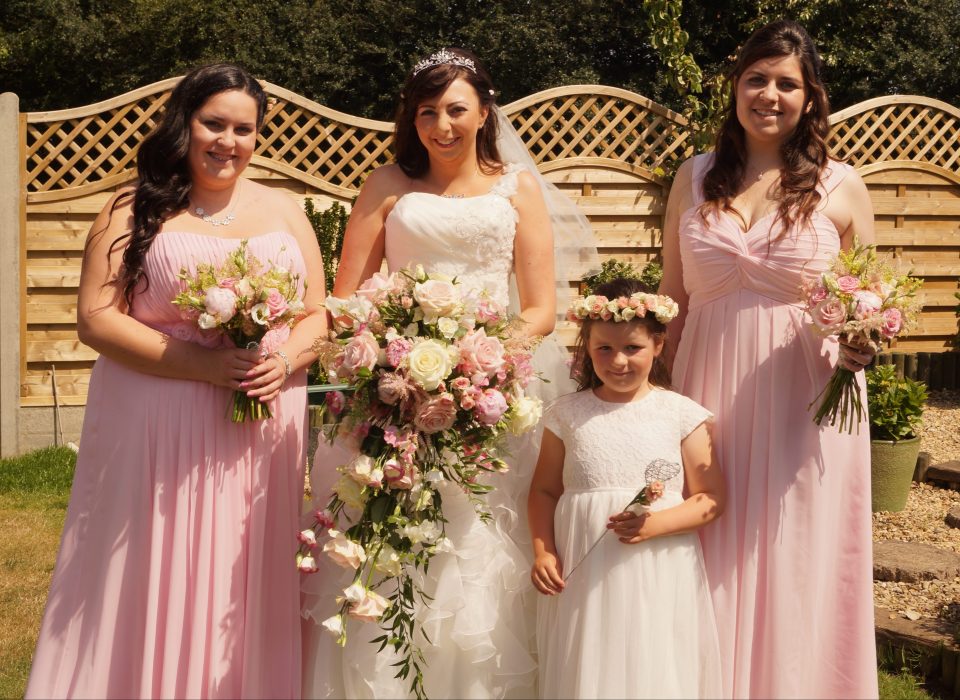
x,y
226,220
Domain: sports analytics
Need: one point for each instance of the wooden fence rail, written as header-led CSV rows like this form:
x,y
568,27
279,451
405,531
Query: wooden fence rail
x,y
608,148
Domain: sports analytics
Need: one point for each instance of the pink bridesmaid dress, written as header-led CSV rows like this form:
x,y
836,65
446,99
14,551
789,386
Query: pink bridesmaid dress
x,y
175,575
789,562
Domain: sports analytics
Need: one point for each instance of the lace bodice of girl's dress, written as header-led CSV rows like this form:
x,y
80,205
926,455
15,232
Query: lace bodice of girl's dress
x,y
470,238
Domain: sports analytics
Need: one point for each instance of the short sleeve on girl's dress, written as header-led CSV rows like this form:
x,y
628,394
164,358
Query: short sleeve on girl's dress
x,y
691,415
553,416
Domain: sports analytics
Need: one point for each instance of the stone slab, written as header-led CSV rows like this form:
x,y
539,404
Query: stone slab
x,y
953,517
913,561
946,472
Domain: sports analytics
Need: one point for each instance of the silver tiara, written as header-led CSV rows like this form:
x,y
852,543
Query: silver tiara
x,y
442,57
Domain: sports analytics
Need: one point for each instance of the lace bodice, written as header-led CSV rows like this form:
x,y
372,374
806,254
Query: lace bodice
x,y
623,445
470,238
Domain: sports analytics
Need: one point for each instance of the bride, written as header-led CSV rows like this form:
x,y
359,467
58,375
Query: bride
x,y
463,199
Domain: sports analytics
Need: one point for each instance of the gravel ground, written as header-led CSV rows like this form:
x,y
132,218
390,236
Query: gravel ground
x,y
922,520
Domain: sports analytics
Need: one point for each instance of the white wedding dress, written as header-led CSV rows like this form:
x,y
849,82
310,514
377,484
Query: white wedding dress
x,y
481,618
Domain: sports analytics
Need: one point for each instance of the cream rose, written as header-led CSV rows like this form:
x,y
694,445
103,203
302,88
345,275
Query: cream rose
x,y
359,468
525,415
350,492
429,364
344,552
436,297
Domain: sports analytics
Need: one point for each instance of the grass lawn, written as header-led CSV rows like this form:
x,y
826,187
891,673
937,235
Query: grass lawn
x,y
34,490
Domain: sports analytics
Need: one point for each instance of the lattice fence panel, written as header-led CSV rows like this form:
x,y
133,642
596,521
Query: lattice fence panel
x,y
899,131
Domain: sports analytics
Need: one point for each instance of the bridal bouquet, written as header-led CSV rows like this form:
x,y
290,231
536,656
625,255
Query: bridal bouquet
x,y
863,300
244,304
438,377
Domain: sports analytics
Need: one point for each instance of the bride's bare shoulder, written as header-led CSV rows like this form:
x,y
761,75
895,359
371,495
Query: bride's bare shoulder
x,y
387,181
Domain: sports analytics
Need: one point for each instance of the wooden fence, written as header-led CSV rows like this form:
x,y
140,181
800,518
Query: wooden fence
x,y
607,148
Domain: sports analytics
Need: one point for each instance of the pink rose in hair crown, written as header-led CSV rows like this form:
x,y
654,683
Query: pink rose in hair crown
x,y
491,405
361,351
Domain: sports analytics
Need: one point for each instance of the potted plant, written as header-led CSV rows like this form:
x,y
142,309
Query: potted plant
x,y
895,406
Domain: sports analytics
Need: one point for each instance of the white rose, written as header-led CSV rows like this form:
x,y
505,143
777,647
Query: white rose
x,y
525,415
344,552
436,297
334,625
429,364
207,321
350,492
260,313
628,314
359,468
447,327
388,561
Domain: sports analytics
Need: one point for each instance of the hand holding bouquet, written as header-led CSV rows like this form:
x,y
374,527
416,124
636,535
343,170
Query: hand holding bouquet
x,y
250,307
438,377
863,301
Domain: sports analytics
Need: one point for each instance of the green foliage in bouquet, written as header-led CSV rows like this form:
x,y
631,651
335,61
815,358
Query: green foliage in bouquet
x,y
612,269
895,404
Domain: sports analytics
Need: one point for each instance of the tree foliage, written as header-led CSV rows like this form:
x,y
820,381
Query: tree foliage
x,y
353,54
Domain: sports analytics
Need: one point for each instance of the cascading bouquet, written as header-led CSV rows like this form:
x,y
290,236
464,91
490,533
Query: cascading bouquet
x,y
863,300
240,303
438,377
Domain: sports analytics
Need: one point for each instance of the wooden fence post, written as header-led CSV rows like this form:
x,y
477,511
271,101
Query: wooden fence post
x,y
11,162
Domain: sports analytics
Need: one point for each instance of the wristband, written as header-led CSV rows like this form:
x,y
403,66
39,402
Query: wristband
x,y
287,367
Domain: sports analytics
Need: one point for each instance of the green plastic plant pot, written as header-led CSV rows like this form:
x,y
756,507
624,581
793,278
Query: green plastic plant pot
x,y
891,470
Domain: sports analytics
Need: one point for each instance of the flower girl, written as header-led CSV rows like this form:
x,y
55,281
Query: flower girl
x,y
626,610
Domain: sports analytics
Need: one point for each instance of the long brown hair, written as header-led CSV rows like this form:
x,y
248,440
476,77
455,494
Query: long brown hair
x,y
163,175
804,153
582,371
411,155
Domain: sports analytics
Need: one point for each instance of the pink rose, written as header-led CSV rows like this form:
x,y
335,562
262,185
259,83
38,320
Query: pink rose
x,y
491,405
276,303
436,414
868,304
818,294
469,396
848,283
228,283
829,315
436,297
392,388
335,401
596,305
221,303
274,339
397,349
361,351
488,310
892,322
480,353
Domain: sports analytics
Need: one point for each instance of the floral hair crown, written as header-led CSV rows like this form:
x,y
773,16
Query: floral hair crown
x,y
597,307
442,57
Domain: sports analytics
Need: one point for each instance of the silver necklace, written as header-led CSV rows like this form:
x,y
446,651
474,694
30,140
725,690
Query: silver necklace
x,y
225,221
453,196
760,175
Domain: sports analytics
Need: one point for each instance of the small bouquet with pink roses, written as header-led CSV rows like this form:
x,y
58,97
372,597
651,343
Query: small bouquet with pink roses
x,y
438,377
860,299
239,303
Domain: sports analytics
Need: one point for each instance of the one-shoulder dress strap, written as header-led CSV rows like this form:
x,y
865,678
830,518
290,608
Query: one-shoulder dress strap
x,y
832,175
509,182
701,164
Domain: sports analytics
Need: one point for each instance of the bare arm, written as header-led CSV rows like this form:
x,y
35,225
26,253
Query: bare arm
x,y
545,490
533,258
363,241
705,502
680,200
104,324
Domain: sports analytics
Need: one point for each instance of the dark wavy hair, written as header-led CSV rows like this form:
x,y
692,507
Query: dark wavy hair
x,y
410,153
163,175
804,153
582,372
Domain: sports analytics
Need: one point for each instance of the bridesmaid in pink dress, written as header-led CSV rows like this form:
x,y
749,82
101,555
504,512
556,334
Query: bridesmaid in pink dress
x,y
789,563
175,575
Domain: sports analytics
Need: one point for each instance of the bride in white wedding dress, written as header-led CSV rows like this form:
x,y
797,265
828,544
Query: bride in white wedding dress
x,y
462,199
